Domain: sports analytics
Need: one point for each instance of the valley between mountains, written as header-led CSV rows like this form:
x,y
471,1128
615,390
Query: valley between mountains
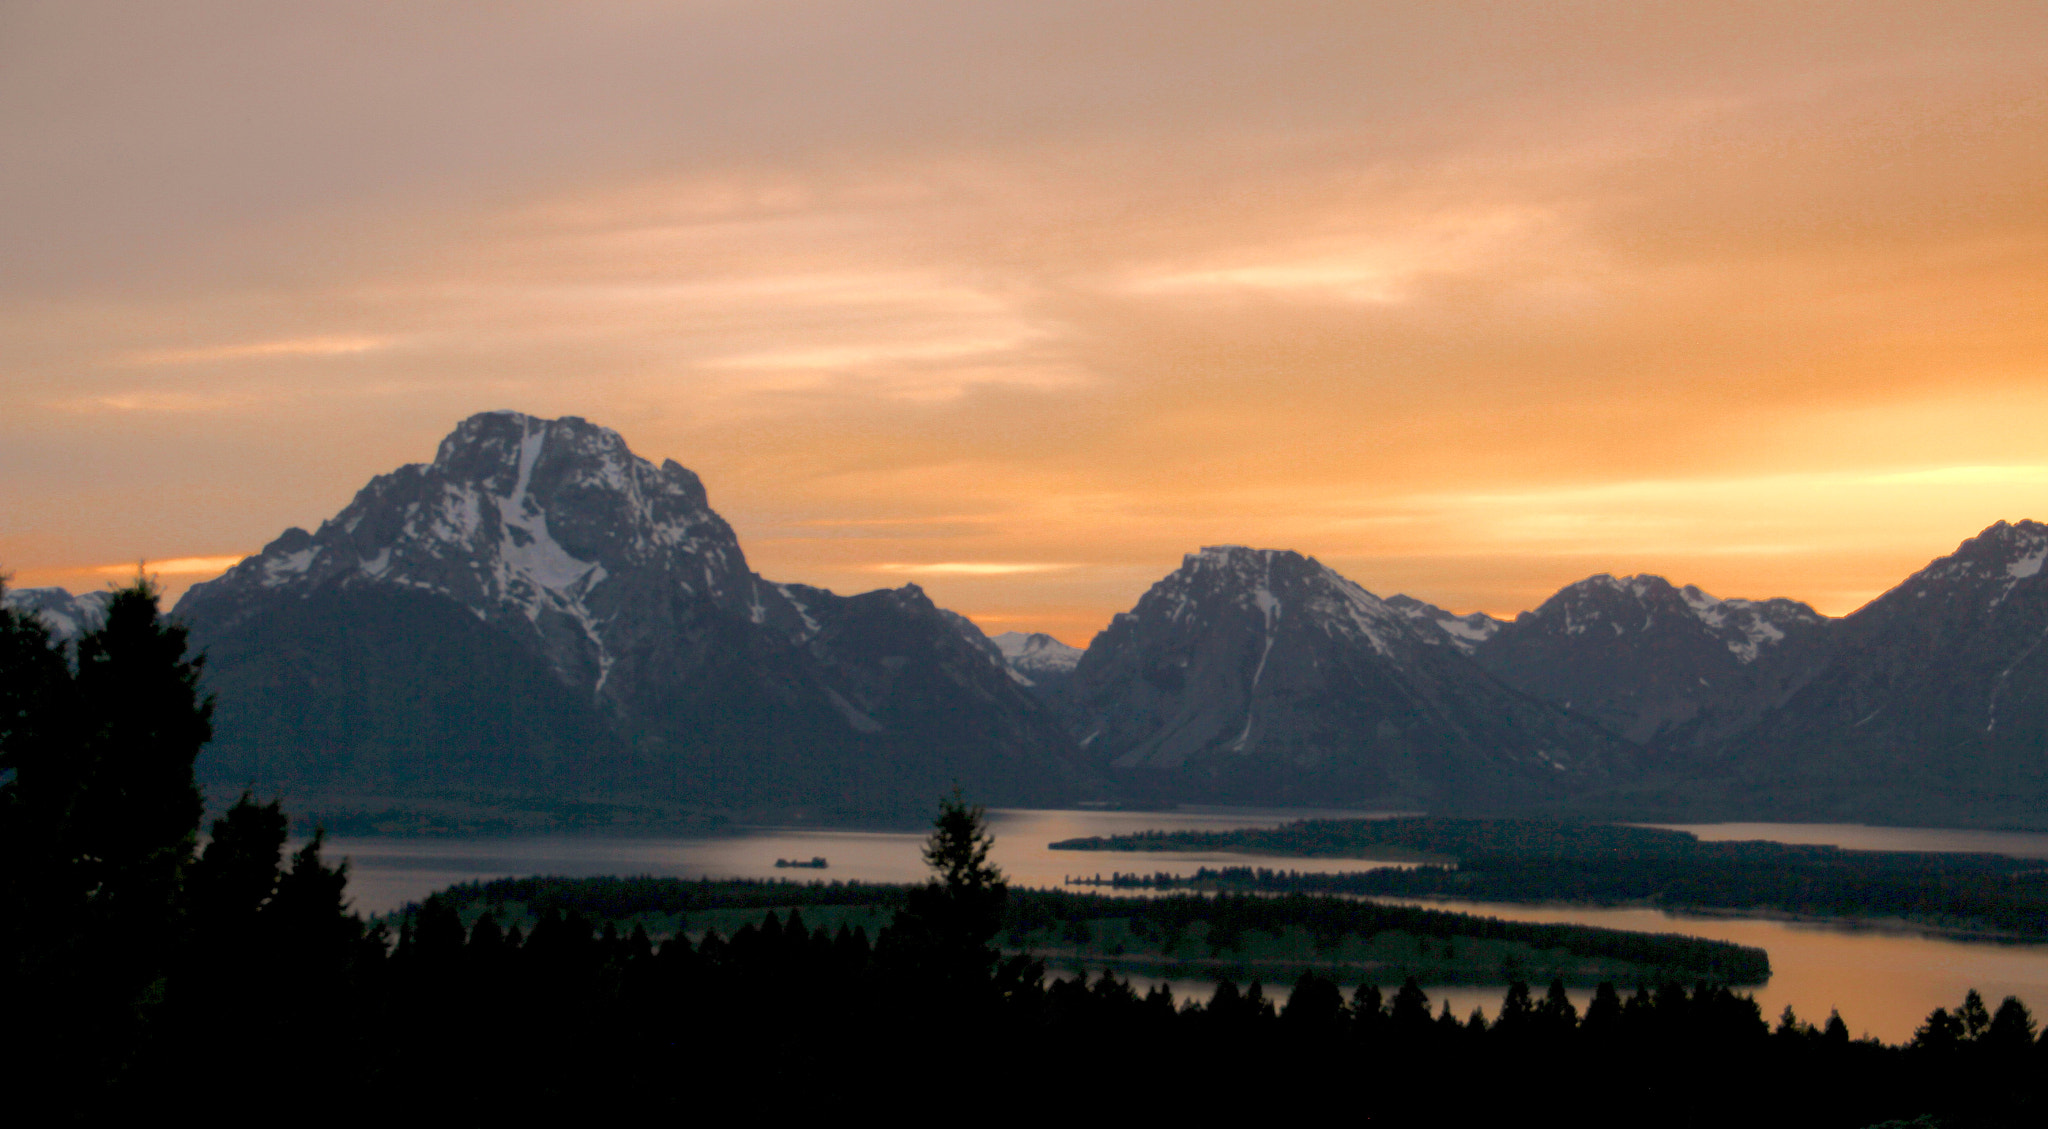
x,y
540,628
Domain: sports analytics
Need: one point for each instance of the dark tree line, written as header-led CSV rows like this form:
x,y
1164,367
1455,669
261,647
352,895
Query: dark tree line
x,y
1025,911
785,1007
1333,917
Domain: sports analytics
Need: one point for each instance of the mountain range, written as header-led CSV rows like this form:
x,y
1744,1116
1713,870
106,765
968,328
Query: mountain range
x,y
539,615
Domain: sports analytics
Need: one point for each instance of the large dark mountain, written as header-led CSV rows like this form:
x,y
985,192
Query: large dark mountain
x,y
1657,664
1261,675
540,609
1931,706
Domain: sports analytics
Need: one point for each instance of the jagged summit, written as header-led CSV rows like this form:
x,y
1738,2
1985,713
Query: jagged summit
x,y
549,527
2003,556
1651,661
1623,605
1270,585
447,611
1265,673
1934,697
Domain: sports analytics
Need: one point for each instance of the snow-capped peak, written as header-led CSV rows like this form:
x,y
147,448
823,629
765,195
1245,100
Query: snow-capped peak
x,y
67,616
526,518
1275,584
1625,605
1036,651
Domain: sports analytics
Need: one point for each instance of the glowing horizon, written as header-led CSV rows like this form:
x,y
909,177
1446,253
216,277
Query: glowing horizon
x,y
1467,302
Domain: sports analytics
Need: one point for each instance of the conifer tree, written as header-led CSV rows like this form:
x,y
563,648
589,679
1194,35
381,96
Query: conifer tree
x,y
943,935
1976,1018
99,818
2011,1029
235,877
136,817
1410,1012
39,724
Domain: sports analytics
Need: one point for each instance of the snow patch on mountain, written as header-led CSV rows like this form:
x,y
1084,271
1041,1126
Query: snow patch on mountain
x,y
66,616
1036,653
1465,632
523,519
1637,603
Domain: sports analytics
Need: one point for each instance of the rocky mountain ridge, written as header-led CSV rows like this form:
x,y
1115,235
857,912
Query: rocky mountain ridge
x,y
1262,674
1653,662
540,610
540,561
1930,704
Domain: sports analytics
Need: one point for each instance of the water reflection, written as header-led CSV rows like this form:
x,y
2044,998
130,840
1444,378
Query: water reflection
x,y
386,873
1860,837
1884,983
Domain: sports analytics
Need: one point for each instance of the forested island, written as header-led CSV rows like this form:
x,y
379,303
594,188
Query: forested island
x,y
1508,860
1179,937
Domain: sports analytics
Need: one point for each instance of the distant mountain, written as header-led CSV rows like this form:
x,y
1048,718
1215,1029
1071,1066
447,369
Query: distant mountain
x,y
67,616
1039,660
539,607
1931,706
1264,676
1654,663
1465,632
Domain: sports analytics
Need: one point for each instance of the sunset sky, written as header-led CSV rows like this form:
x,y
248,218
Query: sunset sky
x,y
1021,301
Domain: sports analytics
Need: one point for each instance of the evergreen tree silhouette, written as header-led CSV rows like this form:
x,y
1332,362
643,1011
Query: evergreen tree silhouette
x,y
943,935
235,877
2011,1029
102,815
40,771
1975,1017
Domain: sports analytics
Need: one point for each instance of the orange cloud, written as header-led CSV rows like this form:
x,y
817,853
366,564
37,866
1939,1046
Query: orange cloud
x,y
1468,301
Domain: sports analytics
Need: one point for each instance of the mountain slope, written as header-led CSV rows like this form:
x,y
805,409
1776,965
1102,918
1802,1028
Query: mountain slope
x,y
1654,663
1932,705
1465,632
544,548
1263,676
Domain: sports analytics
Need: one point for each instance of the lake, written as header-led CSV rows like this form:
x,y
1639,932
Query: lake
x,y
1883,981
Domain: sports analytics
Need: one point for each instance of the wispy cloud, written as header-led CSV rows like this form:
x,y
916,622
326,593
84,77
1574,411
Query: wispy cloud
x,y
258,350
169,401
176,566
866,354
969,568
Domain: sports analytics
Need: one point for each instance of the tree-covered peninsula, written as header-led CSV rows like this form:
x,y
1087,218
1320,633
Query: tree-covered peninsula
x,y
1514,860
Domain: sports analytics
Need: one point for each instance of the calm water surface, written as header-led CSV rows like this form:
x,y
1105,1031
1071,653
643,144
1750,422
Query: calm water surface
x,y
1884,982
386,873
